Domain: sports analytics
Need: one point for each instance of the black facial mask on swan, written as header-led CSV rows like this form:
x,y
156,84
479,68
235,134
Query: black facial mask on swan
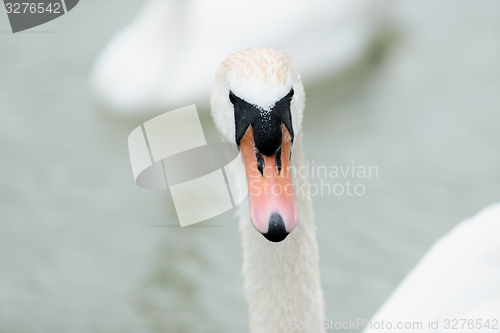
x,y
266,124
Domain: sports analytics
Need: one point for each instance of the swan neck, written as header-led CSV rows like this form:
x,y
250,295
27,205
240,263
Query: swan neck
x,y
282,280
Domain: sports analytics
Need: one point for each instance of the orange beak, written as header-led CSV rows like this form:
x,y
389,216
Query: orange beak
x,y
270,189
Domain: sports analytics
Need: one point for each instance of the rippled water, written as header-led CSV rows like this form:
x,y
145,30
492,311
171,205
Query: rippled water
x,y
82,249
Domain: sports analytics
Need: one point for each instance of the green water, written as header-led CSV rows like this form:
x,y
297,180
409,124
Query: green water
x,y
80,246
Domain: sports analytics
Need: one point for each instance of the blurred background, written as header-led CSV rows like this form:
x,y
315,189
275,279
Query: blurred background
x,y
83,249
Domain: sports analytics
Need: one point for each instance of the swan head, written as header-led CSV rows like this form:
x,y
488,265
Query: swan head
x,y
258,103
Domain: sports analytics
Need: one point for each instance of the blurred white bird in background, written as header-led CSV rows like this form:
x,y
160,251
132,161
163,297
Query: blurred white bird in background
x,y
455,286
165,58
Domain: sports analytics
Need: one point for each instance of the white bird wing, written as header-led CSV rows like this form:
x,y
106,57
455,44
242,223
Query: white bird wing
x,y
455,286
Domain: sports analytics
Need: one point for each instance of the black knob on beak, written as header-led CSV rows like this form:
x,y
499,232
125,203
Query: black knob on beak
x,y
276,232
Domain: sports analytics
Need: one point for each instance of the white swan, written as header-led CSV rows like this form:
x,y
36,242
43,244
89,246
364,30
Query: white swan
x,y
455,287
258,103
165,57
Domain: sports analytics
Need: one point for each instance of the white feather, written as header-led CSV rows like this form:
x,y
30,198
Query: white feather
x,y
282,280
459,278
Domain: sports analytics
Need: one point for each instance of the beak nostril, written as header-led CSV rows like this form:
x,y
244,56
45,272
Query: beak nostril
x,y
278,160
276,232
260,162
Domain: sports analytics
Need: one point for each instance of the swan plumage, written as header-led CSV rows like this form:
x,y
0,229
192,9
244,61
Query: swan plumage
x,y
165,57
282,280
458,278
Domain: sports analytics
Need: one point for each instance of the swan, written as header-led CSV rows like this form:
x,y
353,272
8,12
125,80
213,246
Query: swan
x,y
166,55
258,104
456,284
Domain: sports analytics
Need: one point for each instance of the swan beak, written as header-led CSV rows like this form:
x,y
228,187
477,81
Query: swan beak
x,y
270,189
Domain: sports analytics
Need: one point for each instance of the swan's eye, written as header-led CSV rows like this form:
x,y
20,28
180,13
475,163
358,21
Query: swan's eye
x,y
232,97
290,94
